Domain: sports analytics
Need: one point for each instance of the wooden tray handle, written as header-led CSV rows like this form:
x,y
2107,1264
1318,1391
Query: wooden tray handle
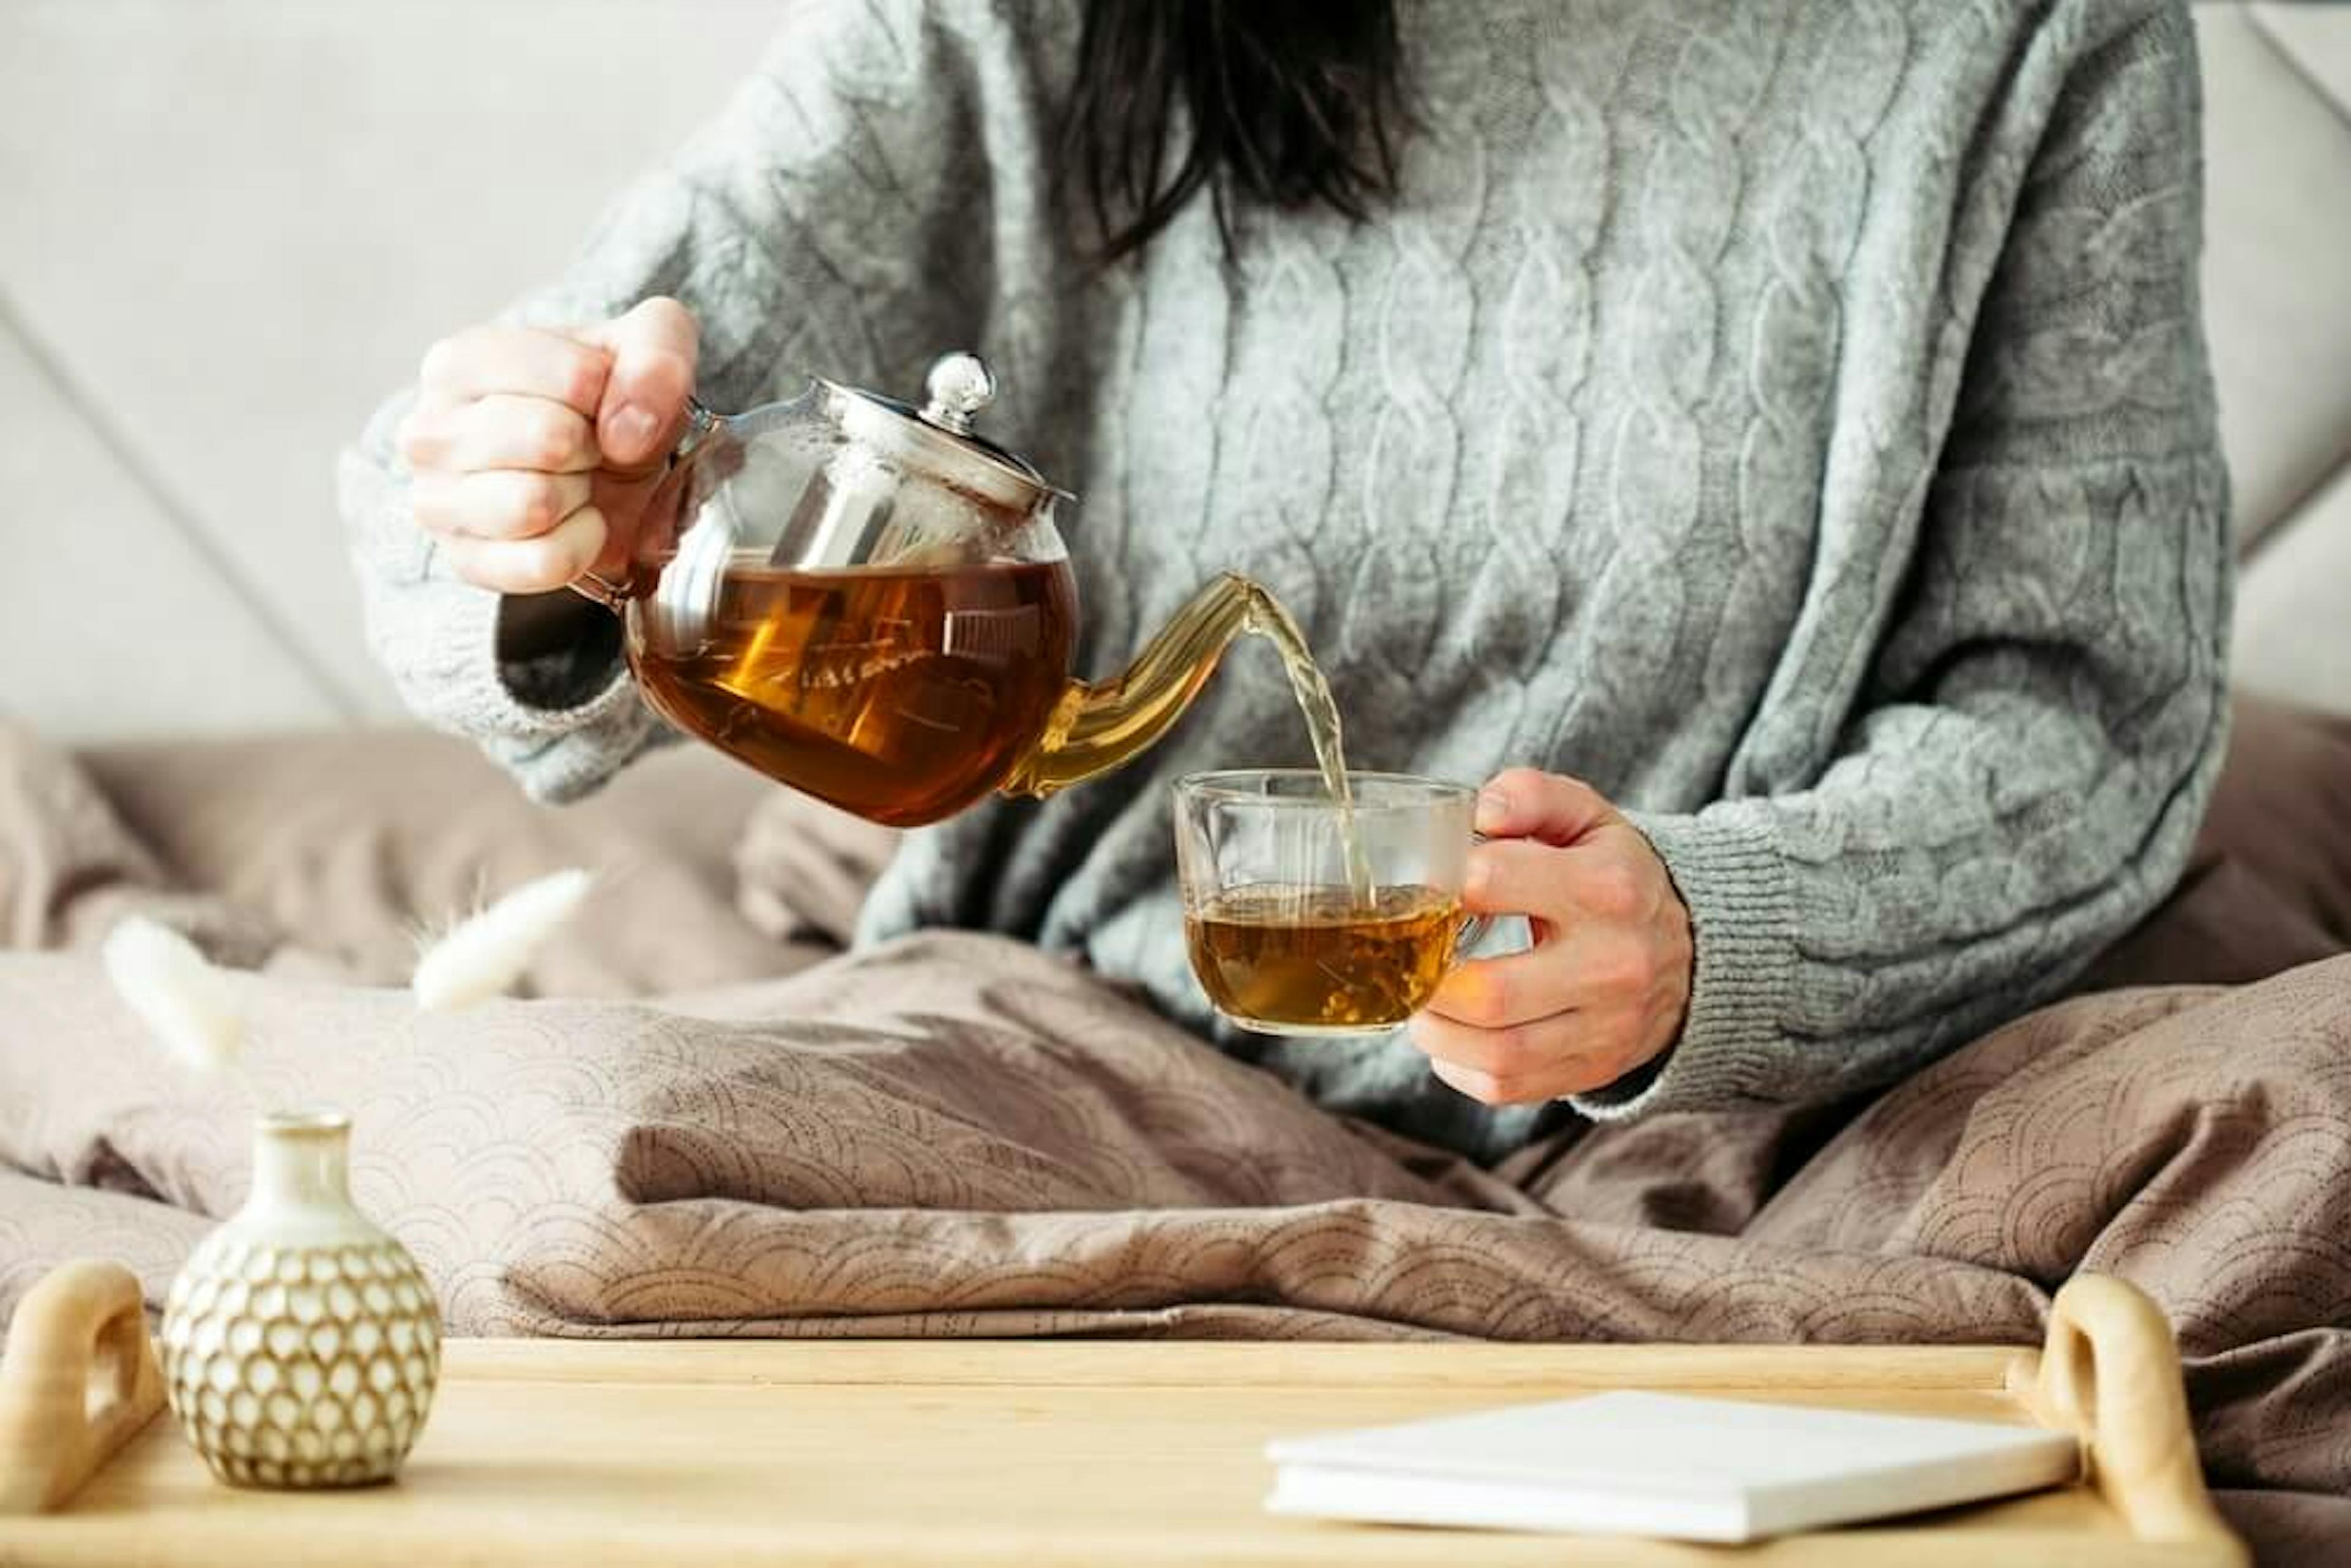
x,y
2110,1375
78,1381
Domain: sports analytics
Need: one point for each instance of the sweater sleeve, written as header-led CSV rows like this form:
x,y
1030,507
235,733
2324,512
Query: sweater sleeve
x,y
792,225
2044,710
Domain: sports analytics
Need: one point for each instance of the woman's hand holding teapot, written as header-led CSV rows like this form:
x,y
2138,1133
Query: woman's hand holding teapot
x,y
534,452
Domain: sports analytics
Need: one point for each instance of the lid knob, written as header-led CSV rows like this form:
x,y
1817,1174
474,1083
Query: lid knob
x,y
959,387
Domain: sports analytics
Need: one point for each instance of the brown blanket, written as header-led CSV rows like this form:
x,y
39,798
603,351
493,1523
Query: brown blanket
x,y
961,1136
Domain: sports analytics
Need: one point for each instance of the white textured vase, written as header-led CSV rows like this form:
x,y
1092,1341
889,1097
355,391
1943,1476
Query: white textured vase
x,y
301,1345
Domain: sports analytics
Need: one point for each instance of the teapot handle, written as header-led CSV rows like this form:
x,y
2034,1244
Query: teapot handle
x,y
615,596
600,590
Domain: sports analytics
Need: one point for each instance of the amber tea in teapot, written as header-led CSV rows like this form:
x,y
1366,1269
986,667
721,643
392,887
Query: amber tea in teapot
x,y
900,696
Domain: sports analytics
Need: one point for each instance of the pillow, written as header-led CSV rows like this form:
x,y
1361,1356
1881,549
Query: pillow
x,y
2268,886
351,843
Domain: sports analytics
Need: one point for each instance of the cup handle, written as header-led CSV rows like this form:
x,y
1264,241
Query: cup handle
x,y
1472,931
1474,928
600,590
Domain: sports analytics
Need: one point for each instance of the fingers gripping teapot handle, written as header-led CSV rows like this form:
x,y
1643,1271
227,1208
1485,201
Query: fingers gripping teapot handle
x,y
615,596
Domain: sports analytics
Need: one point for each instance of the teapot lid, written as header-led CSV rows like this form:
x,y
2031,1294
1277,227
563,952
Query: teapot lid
x,y
938,436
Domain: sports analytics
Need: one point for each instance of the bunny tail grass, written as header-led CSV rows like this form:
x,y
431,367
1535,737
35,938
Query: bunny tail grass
x,y
484,954
188,1005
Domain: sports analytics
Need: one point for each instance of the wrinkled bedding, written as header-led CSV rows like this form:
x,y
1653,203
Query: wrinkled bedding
x,y
959,1135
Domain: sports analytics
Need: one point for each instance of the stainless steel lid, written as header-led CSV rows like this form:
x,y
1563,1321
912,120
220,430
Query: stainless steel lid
x,y
937,438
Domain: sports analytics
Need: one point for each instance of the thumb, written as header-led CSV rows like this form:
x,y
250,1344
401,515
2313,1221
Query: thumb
x,y
1525,803
653,350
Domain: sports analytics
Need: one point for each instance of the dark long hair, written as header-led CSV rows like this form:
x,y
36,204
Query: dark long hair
x,y
1288,103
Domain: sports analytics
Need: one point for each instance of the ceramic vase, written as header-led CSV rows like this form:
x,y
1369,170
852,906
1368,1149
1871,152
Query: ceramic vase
x,y
300,1343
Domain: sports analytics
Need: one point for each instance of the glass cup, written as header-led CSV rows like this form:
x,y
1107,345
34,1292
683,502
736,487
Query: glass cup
x,y
1284,939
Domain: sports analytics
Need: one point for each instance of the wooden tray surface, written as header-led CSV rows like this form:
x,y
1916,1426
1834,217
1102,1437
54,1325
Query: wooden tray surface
x,y
717,1453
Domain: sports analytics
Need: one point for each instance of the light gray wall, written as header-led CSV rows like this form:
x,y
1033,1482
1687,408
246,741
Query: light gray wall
x,y
227,227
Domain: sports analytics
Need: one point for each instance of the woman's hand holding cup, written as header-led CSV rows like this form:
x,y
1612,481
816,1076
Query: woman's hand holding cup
x,y
1606,985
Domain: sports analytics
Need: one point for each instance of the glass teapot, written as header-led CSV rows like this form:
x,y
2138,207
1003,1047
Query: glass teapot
x,y
869,601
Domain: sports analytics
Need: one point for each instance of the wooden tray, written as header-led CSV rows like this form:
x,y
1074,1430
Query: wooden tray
x,y
715,1453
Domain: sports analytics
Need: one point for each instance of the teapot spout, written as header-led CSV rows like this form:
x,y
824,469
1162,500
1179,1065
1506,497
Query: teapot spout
x,y
1099,726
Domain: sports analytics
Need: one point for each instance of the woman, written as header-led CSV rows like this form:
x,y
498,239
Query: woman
x,y
1772,443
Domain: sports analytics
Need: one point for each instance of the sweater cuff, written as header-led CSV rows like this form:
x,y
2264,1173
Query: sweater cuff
x,y
557,651
1733,881
557,753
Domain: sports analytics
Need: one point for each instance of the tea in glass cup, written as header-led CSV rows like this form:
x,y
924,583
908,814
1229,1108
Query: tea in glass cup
x,y
1283,939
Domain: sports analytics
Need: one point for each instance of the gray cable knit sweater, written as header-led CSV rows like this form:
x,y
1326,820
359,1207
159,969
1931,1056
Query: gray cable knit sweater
x,y
1790,416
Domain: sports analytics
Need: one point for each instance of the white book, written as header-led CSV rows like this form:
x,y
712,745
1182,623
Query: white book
x,y
1661,1464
